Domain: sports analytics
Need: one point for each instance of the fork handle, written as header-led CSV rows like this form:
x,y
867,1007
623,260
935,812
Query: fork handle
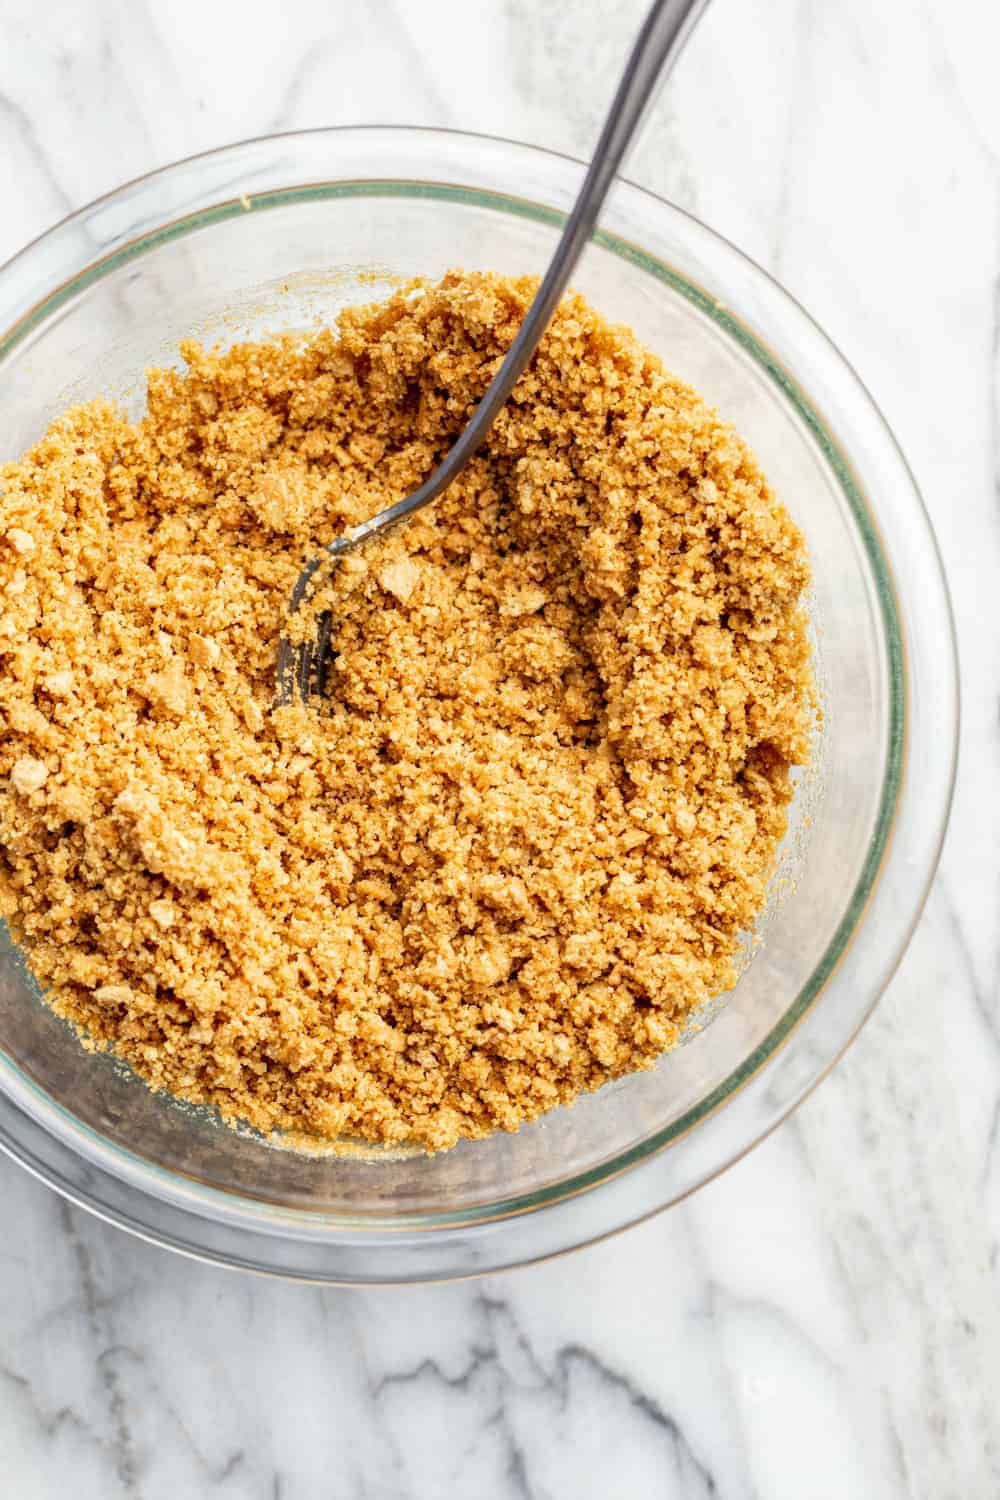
x,y
657,47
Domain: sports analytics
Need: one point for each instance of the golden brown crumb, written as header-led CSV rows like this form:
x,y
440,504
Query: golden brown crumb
x,y
520,845
22,541
28,775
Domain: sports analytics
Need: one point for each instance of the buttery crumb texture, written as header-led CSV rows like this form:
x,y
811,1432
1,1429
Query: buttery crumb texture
x,y
519,844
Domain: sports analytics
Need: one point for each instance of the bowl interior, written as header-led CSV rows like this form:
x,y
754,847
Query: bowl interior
x,y
292,259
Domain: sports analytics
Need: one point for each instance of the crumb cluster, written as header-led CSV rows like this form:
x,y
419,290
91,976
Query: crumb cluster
x,y
519,845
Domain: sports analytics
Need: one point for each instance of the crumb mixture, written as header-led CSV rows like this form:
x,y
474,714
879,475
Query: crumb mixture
x,y
519,845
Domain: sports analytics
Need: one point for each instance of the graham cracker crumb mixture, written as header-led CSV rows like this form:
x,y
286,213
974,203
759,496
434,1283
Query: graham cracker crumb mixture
x,y
518,846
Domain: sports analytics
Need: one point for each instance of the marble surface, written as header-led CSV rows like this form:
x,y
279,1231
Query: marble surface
x,y
823,1321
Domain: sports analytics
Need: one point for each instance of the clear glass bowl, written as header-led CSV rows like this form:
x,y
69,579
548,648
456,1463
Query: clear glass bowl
x,y
279,233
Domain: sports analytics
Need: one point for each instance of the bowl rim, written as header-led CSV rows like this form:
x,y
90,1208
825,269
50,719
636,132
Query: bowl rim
x,y
112,1158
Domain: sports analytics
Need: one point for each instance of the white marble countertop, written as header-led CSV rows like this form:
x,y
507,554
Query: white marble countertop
x,y
824,1320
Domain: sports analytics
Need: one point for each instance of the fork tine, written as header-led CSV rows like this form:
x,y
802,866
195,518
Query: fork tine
x,y
322,651
305,670
287,674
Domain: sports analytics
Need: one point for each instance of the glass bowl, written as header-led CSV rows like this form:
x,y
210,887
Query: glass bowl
x,y
279,233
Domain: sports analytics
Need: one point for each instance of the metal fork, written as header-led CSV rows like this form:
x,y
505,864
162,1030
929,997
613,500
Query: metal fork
x,y
303,667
